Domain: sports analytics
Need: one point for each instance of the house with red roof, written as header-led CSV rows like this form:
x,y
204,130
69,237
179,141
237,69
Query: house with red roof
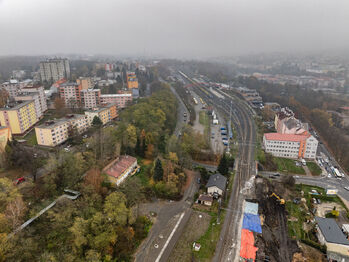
x,y
120,168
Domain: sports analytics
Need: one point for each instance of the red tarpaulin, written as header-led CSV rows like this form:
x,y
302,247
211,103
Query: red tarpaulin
x,y
247,250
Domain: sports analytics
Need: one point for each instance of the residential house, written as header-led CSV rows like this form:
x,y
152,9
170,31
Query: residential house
x,y
330,235
120,168
216,184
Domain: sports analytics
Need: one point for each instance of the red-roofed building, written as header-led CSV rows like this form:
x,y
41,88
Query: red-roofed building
x,y
119,169
290,145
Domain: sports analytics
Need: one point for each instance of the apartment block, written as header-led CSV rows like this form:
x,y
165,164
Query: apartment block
x,y
90,98
290,145
105,114
55,69
25,96
85,82
42,97
55,132
5,136
121,100
13,86
71,94
132,81
19,117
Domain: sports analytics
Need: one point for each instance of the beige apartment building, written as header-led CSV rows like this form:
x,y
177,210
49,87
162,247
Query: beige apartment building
x,y
55,132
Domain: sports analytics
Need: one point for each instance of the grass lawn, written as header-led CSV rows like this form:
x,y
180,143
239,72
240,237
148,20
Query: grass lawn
x,y
314,168
295,228
288,166
143,172
31,138
209,240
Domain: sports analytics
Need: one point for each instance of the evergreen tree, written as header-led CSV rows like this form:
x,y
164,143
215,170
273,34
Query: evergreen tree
x,y
223,166
138,147
143,148
158,171
97,121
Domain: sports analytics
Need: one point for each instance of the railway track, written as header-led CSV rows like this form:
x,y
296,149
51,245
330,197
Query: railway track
x,y
227,248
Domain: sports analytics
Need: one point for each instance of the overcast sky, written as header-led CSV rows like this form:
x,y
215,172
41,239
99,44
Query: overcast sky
x,y
191,28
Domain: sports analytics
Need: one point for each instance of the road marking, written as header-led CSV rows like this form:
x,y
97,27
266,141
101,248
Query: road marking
x,y
169,238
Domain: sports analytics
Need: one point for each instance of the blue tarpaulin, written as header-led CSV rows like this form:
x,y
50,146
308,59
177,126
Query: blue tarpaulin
x,y
252,223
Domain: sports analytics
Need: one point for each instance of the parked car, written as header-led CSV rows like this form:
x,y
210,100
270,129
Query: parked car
x,y
346,188
318,201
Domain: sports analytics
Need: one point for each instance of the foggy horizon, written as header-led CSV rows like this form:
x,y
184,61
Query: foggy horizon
x,y
191,29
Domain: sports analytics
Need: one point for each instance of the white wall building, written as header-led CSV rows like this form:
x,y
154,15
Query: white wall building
x,y
290,146
54,69
121,100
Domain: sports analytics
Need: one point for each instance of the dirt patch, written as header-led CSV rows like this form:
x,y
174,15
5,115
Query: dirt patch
x,y
147,162
190,176
194,229
274,241
324,208
308,254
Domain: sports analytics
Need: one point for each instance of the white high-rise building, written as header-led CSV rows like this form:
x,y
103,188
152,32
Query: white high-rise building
x,y
55,69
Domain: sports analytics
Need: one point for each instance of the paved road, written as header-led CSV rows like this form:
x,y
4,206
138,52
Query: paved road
x,y
168,215
181,120
320,181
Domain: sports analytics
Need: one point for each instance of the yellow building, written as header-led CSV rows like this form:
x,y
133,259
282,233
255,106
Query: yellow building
x,y
5,136
19,117
55,132
105,114
132,81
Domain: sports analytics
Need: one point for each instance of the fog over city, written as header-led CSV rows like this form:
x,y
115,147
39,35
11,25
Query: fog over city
x,y
181,28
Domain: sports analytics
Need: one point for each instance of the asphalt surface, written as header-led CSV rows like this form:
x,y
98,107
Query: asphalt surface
x,y
227,248
320,181
167,217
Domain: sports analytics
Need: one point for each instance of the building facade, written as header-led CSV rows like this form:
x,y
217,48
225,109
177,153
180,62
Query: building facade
x,y
85,82
13,87
19,117
42,97
105,114
132,81
71,94
55,69
55,132
25,96
290,146
5,136
121,100
90,98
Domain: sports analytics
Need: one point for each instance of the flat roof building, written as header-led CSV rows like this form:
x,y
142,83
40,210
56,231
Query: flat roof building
x,y
55,132
19,117
290,146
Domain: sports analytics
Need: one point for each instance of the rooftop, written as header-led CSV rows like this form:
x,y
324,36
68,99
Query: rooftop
x,y
331,231
286,137
203,197
119,166
57,122
217,180
16,105
116,95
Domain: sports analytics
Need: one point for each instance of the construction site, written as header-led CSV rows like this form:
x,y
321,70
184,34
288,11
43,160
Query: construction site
x,y
265,233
